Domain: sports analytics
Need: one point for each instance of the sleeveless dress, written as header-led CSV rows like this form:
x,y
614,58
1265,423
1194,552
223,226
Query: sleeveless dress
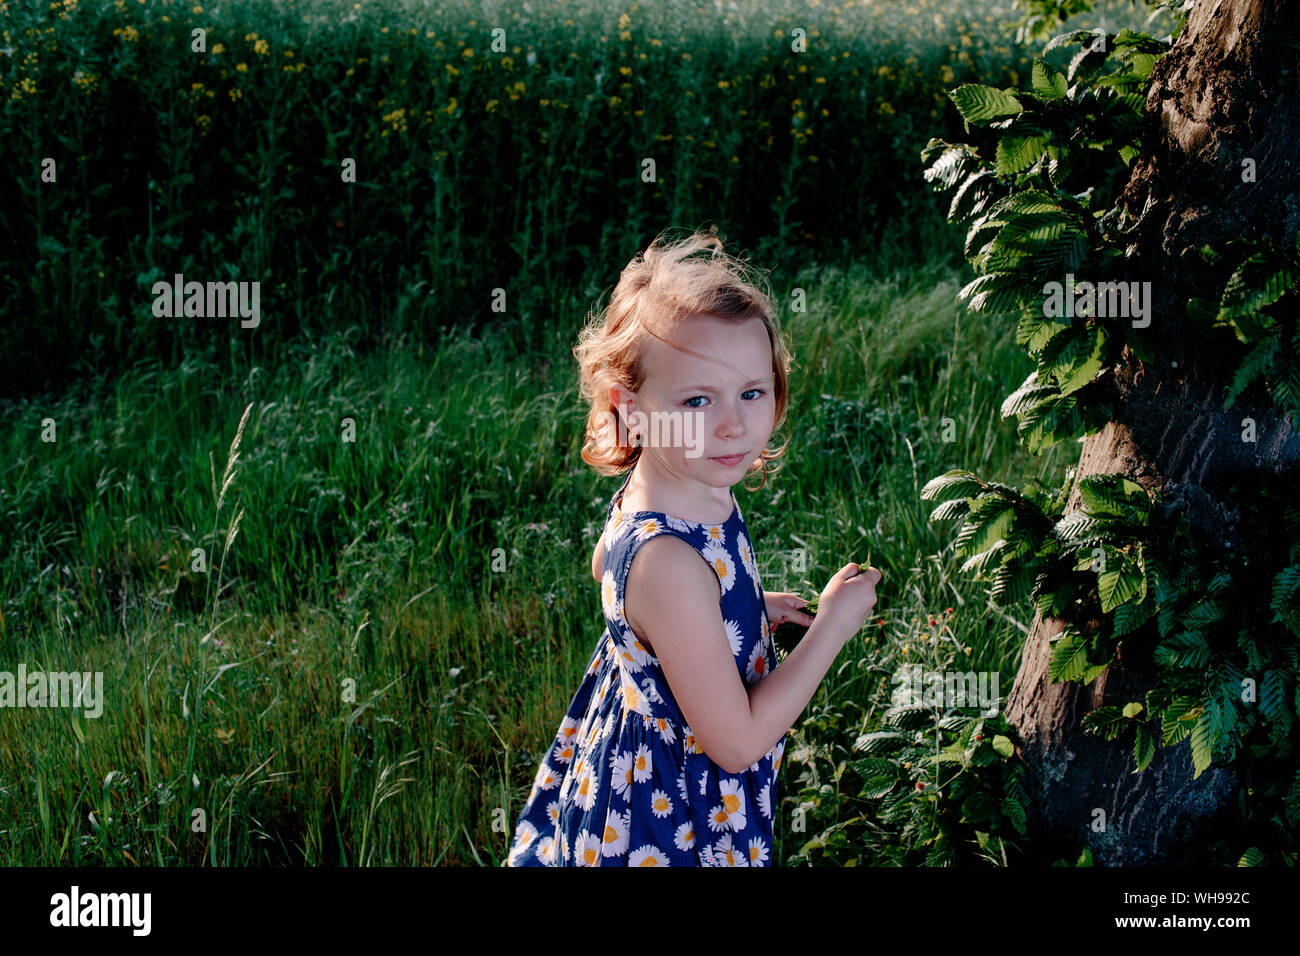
x,y
624,783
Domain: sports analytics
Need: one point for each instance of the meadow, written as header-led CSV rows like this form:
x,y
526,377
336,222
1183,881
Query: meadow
x,y
348,681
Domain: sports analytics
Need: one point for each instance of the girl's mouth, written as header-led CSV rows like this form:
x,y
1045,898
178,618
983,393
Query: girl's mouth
x,y
730,460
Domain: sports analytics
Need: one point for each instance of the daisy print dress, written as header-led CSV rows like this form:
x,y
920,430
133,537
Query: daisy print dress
x,y
624,782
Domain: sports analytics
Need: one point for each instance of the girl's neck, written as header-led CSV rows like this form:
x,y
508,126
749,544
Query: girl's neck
x,y
646,490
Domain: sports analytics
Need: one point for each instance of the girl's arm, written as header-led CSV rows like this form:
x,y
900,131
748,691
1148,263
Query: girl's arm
x,y
671,600
598,558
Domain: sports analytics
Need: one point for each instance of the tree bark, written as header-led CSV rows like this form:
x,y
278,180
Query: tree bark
x,y
1228,90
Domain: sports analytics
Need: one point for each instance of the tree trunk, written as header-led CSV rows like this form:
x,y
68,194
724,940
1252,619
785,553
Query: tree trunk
x,y
1227,91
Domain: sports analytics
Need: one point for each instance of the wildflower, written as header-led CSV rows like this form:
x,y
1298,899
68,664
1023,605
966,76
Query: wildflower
x,y
262,48
241,67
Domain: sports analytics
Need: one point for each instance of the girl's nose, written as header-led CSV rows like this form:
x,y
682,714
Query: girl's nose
x,y
732,423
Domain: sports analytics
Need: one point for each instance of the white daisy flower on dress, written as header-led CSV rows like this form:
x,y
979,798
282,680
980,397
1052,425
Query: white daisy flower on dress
x,y
610,602
778,753
546,850
648,855
685,836
757,667
568,731
765,801
704,783
665,728
629,657
678,524
681,787
733,796
584,791
757,851
730,813
746,555
553,811
722,564
642,764
610,725
660,804
546,777
622,777
646,528
564,752
614,840
526,834
725,854
734,636
714,534
586,851
634,700
632,645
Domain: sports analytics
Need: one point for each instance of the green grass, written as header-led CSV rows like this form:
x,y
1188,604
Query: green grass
x,y
370,562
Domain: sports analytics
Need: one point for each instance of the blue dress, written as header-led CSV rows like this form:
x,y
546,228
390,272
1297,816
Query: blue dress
x,y
624,783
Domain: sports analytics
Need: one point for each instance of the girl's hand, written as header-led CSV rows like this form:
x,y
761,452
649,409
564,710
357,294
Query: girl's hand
x,y
783,606
849,597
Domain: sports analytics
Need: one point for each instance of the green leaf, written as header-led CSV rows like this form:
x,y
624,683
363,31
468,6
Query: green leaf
x,y
1117,585
1048,82
1132,709
1202,740
1253,856
1144,747
1003,745
979,104
972,196
952,484
995,294
1069,660
1258,282
956,508
1078,366
1019,151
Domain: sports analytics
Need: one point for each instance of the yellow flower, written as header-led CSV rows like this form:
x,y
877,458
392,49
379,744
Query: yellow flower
x,y
235,94
625,70
262,48
452,70
219,48
723,84
241,67
468,53
197,11
491,106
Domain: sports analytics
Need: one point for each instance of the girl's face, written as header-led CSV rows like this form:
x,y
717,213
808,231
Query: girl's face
x,y
719,409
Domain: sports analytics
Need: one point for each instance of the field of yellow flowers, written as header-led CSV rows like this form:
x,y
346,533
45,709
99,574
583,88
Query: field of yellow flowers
x,y
495,145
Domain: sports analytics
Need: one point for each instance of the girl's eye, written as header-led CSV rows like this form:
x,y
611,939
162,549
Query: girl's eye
x,y
759,394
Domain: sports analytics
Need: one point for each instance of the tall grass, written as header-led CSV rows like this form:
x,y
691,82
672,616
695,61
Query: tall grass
x,y
350,682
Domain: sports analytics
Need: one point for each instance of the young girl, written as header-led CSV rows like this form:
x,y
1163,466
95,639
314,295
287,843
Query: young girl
x,y
669,751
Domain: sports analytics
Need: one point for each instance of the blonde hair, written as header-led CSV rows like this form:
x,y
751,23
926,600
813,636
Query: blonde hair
x,y
662,287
